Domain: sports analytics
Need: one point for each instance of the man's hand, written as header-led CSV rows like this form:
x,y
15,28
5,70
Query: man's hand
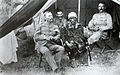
x,y
94,28
68,44
49,38
119,35
54,38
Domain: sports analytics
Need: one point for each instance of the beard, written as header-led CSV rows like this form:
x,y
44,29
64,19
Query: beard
x,y
51,20
73,22
101,10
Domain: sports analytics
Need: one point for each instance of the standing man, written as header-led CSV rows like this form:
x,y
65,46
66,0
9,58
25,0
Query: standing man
x,y
45,34
99,23
60,20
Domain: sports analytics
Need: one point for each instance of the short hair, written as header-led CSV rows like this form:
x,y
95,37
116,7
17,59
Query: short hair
x,y
46,12
103,3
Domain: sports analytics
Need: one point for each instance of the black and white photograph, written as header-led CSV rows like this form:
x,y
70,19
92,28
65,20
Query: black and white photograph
x,y
59,37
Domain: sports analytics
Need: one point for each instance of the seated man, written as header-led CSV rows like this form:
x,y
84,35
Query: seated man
x,y
97,26
73,42
45,34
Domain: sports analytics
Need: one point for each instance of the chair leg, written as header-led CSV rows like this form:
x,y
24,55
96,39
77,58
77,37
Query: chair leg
x,y
89,58
103,49
88,52
40,59
97,45
108,45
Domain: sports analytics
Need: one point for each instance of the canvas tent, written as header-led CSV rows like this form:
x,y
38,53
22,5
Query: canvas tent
x,y
25,13
87,9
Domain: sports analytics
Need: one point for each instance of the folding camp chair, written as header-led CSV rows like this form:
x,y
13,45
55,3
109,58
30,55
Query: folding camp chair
x,y
40,55
104,40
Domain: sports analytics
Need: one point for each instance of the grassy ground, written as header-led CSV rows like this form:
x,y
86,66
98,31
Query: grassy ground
x,y
106,63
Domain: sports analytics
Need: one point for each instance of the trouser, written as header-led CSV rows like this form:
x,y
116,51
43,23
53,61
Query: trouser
x,y
94,36
53,54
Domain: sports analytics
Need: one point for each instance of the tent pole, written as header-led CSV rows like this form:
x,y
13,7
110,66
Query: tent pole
x,y
56,5
79,11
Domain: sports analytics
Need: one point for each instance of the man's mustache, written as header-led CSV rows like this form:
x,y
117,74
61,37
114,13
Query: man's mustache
x,y
51,19
101,9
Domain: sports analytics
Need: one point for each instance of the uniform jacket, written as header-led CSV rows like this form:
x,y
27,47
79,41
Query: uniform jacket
x,y
102,21
45,31
61,23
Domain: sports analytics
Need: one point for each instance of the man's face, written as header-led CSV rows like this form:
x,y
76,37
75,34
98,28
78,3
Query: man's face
x,y
101,7
49,17
73,20
60,17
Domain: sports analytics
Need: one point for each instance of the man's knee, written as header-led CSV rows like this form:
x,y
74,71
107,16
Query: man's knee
x,y
60,48
43,49
94,38
87,32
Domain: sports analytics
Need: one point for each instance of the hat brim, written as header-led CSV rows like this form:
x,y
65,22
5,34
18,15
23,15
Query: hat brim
x,y
59,14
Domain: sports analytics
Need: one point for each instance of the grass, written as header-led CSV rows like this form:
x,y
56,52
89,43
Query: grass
x,y
101,64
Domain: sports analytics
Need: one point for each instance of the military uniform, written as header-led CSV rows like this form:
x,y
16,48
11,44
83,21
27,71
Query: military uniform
x,y
45,45
61,23
99,23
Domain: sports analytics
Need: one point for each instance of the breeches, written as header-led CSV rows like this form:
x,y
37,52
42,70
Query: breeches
x,y
53,59
94,36
50,47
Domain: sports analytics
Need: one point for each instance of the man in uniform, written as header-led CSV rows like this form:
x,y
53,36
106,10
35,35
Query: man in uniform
x,y
60,20
97,26
45,34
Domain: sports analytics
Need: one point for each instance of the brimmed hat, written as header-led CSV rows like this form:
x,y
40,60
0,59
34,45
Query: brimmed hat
x,y
60,13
